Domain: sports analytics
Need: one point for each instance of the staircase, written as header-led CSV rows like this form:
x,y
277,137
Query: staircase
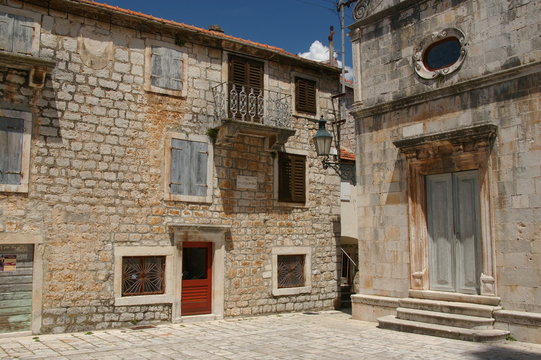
x,y
449,319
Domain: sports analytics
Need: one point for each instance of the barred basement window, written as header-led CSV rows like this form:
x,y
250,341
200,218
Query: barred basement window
x,y
291,271
143,275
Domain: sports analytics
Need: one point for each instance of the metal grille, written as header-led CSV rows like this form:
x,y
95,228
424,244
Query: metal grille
x,y
290,271
143,275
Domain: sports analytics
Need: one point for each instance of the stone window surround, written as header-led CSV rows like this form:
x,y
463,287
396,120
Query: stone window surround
x,y
170,253
292,250
148,69
26,116
294,75
37,24
37,275
276,181
462,149
167,169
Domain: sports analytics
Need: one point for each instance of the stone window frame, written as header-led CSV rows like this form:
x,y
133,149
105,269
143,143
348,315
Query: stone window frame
x,y
419,53
26,116
37,25
276,179
170,252
167,169
148,69
295,75
458,150
292,250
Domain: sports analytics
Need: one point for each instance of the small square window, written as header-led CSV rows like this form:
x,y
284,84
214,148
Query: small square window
x,y
290,271
143,275
291,178
305,96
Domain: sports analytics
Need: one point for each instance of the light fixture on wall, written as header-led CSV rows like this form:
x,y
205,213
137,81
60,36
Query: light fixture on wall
x,y
323,142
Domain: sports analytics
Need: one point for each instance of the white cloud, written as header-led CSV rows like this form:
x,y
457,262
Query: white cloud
x,y
320,52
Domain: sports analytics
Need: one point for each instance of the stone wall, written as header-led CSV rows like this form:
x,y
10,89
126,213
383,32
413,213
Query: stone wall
x,y
96,181
501,86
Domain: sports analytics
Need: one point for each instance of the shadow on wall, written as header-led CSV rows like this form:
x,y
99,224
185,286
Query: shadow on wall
x,y
494,352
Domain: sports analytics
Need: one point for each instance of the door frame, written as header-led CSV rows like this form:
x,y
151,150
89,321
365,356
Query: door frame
x,y
452,151
201,233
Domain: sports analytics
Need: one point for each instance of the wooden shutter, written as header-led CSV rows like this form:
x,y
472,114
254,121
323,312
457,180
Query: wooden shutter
x,y
166,72
291,178
440,231
305,95
246,72
23,32
6,32
11,147
467,231
189,162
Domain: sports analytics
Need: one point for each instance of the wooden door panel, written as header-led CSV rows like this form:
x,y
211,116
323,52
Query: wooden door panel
x,y
196,278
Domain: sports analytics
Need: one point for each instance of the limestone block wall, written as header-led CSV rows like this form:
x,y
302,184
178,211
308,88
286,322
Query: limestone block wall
x,y
96,182
500,38
499,35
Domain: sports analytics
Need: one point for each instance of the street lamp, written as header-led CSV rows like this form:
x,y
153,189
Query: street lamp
x,y
322,142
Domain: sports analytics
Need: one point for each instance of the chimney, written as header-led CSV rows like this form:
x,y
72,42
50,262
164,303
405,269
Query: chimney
x,y
216,28
332,60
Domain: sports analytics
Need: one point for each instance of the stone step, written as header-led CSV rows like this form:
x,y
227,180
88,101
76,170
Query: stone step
x,y
451,307
455,320
392,323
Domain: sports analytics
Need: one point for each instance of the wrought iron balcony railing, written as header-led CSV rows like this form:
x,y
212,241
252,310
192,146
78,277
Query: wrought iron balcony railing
x,y
254,105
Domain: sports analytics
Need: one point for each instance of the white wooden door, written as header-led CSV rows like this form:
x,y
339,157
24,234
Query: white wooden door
x,y
454,231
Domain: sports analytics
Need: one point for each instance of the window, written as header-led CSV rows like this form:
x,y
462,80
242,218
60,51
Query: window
x,y
246,89
291,178
291,270
143,275
440,54
188,168
20,31
15,130
305,96
165,69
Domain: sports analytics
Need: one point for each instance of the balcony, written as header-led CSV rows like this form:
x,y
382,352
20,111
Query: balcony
x,y
252,111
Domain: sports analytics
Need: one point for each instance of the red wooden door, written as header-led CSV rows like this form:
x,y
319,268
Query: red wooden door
x,y
196,278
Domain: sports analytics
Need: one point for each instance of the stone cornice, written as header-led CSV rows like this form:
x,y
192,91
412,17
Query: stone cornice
x,y
468,85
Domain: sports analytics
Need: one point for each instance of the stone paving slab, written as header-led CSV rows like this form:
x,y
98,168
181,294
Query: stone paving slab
x,y
327,335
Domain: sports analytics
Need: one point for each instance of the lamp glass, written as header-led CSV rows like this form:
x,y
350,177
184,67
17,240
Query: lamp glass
x,y
322,142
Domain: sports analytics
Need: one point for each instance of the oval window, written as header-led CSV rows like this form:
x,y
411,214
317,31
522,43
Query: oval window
x,y
442,54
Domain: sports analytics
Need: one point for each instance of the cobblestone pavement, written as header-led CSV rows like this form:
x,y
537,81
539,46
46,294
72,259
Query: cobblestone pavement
x,y
327,335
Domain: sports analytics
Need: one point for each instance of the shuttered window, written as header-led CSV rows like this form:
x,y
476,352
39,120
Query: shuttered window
x,y
166,68
291,178
246,72
16,33
305,95
11,150
189,163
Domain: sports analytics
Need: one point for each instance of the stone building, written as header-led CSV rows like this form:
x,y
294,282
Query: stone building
x,y
152,170
447,113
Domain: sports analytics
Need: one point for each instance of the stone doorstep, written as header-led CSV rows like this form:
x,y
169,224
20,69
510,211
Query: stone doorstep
x,y
390,322
455,320
452,307
518,317
458,297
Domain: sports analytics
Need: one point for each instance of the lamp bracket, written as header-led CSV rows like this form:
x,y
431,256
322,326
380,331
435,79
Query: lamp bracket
x,y
344,170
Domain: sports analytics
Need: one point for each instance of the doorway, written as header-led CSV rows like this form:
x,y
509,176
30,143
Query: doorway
x,y
196,278
454,231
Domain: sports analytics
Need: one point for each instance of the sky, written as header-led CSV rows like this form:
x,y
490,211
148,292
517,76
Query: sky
x,y
298,26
